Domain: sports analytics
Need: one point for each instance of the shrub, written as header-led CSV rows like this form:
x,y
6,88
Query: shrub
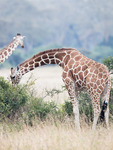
x,y
85,106
108,62
11,99
36,108
19,103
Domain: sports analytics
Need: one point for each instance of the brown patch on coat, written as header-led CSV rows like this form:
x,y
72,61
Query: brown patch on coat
x,y
96,71
38,59
47,61
101,70
9,50
66,59
26,65
59,55
93,79
44,56
5,53
77,58
100,75
91,69
31,62
102,81
31,67
36,64
71,62
86,72
81,75
73,54
98,82
99,91
84,67
77,69
95,86
66,69
64,75
101,88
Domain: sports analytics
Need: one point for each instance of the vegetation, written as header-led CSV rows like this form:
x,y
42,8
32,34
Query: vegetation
x,y
49,136
108,62
29,122
19,103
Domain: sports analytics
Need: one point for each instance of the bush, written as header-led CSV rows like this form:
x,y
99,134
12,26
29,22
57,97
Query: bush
x,y
19,103
85,107
36,108
108,62
11,99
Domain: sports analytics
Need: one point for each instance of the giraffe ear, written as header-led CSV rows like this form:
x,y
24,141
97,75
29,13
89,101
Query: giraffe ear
x,y
11,70
18,68
23,37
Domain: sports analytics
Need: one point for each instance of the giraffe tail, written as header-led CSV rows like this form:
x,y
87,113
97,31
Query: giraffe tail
x,y
102,114
105,97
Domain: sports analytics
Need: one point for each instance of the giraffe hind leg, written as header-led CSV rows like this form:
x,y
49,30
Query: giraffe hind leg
x,y
96,108
105,100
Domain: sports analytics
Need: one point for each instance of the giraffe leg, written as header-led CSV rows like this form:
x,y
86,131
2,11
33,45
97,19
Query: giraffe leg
x,y
96,108
95,97
76,113
105,100
107,117
70,86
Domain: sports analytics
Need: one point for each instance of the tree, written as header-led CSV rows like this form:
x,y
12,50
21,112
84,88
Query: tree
x,y
108,62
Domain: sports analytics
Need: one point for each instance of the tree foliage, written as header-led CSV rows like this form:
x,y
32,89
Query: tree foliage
x,y
108,62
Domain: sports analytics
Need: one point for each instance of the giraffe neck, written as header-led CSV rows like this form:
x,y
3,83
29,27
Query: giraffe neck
x,y
55,56
7,51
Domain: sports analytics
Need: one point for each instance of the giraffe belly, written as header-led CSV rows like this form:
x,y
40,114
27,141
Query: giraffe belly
x,y
80,86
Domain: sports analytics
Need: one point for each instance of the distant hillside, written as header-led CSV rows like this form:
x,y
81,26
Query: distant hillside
x,y
16,16
70,23
80,24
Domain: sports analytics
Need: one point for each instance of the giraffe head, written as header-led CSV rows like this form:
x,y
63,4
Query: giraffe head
x,y
15,75
19,38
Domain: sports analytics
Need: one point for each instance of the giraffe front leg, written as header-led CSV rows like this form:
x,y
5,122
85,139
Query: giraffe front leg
x,y
76,114
70,86
96,108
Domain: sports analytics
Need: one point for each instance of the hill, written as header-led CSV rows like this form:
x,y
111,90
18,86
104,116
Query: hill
x,y
84,25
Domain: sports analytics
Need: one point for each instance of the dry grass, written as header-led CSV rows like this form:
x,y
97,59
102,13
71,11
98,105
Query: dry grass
x,y
48,136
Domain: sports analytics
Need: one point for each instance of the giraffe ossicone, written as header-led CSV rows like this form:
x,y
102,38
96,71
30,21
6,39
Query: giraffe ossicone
x,y
8,50
79,74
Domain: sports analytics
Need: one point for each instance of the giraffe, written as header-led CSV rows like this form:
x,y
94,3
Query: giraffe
x,y
7,51
79,74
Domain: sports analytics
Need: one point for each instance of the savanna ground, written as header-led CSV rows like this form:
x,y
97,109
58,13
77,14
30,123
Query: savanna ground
x,y
50,134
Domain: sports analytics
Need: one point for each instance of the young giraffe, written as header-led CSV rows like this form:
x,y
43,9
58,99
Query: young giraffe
x,y
79,74
7,51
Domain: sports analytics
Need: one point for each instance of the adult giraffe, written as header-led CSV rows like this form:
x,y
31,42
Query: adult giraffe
x,y
7,51
79,74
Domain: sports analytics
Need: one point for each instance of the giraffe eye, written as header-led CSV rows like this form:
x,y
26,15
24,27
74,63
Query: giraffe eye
x,y
13,77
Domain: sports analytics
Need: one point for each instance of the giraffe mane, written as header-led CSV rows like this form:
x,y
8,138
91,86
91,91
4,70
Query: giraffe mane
x,y
6,46
54,50
47,51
